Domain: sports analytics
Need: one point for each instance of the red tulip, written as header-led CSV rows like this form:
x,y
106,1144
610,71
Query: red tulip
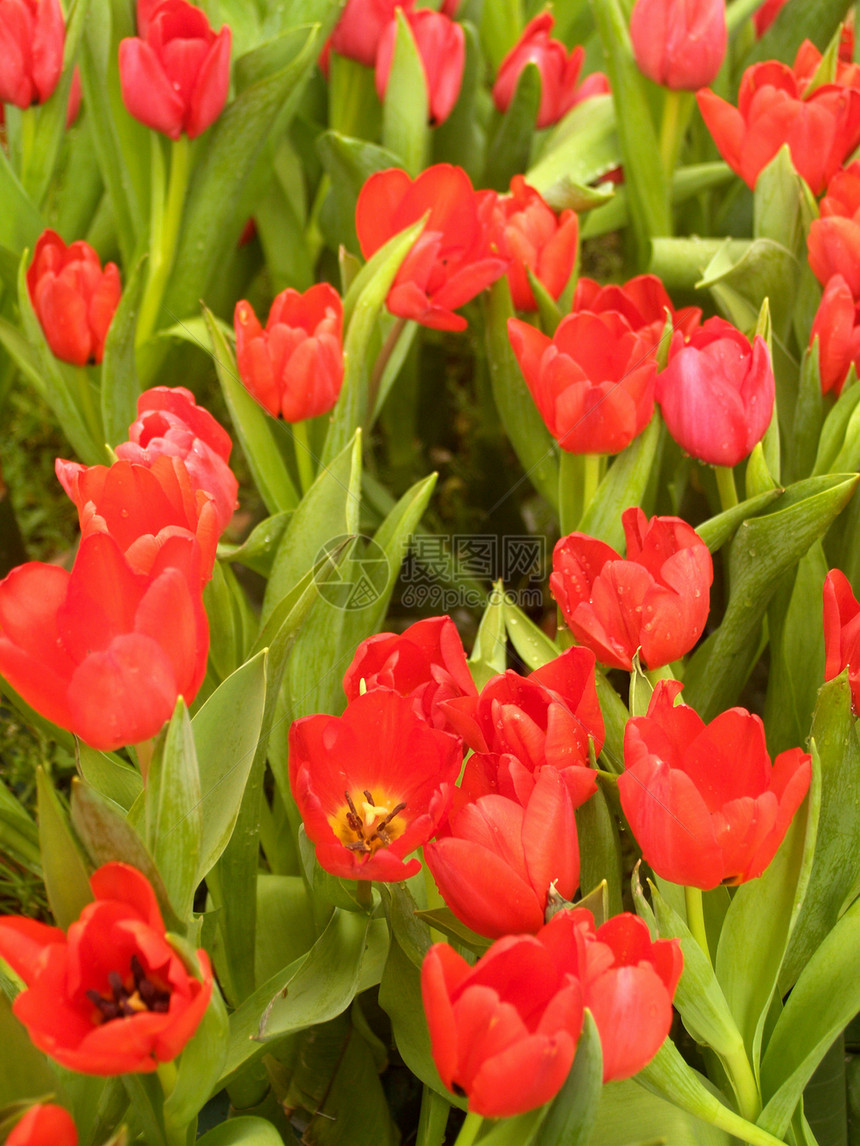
x,y
679,44
441,46
837,327
360,27
559,71
372,785
704,801
504,1032
834,238
175,79
547,718
106,650
140,507
764,16
656,601
74,299
170,423
294,368
593,381
452,260
530,234
842,632
44,1125
32,39
426,663
496,858
775,107
642,302
717,393
111,996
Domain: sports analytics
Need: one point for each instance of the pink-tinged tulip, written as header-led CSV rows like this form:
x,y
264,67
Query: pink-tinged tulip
x,y
504,1032
656,601
717,393
842,632
679,44
105,650
372,785
426,663
834,238
452,260
837,327
361,25
44,1125
74,299
175,79
559,71
170,423
496,858
141,507
593,381
111,996
294,368
529,233
642,302
547,718
704,801
32,39
441,47
775,107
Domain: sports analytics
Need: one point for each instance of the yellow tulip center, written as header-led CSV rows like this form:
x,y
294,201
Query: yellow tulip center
x,y
364,826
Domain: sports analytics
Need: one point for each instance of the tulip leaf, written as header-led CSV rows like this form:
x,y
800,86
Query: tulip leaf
x,y
815,20
509,149
599,849
629,1115
258,550
65,872
349,163
407,929
20,221
766,270
580,149
625,484
615,716
242,1131
763,549
26,1073
285,923
835,430
19,836
716,531
687,182
200,1066
501,25
532,441
443,920
808,416
406,103
573,1112
120,388
108,774
226,732
490,650
532,644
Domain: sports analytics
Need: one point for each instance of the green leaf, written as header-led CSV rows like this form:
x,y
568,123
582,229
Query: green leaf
x,y
815,20
599,849
838,424
489,652
767,269
572,1113
258,550
716,531
531,643
580,149
687,182
199,1066
285,926
109,775
406,103
510,147
120,388
19,836
66,877
624,485
461,139
630,1116
20,221
808,417
26,1072
242,1131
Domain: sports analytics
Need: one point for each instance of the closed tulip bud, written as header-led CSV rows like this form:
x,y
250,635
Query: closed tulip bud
x,y
361,25
175,79
441,47
32,39
837,327
834,237
679,44
294,368
842,632
529,233
717,393
44,1125
559,71
74,299
642,302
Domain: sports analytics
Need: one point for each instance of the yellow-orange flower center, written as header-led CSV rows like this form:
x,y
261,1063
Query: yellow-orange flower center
x,y
364,826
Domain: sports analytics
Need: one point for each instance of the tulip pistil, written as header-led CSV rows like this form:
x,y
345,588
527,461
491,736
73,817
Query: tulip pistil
x,y
124,1000
370,828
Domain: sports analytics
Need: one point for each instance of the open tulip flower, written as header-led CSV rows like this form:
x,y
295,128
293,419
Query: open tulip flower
x,y
842,631
175,78
294,368
643,302
74,299
372,785
656,601
705,803
679,44
32,40
441,45
44,1125
834,238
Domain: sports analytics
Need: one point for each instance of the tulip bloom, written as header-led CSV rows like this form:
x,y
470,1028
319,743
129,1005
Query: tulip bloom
x,y
44,1125
837,327
106,650
451,261
547,718
529,233
74,299
32,39
821,127
111,996
496,858
642,302
372,785
426,663
441,45
834,238
559,71
294,368
361,25
842,632
655,601
704,801
679,44
170,423
504,1032
175,79
717,393
593,381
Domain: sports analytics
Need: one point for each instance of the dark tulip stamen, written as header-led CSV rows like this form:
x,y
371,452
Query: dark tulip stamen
x,y
124,1002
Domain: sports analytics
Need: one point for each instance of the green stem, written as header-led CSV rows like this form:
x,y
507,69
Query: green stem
x,y
382,360
726,486
85,398
469,1129
432,1119
743,1082
304,455
364,893
578,478
27,142
165,220
592,474
696,918
670,130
